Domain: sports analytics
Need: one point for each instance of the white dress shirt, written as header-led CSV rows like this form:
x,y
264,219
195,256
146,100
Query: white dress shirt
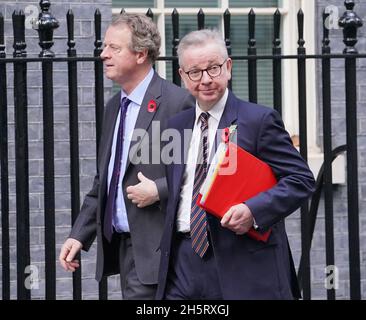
x,y
184,209
120,221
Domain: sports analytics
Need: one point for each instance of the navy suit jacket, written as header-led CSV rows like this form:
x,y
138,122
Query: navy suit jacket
x,y
248,269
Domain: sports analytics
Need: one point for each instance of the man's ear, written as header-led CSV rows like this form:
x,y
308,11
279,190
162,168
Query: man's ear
x,y
181,72
141,56
229,66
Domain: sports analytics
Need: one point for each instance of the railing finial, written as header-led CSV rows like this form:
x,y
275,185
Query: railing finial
x,y
350,22
44,25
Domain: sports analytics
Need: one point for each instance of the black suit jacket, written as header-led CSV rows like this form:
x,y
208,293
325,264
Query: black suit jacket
x,y
146,224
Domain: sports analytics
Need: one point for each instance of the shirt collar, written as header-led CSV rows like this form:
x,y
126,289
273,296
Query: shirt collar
x,y
216,111
137,95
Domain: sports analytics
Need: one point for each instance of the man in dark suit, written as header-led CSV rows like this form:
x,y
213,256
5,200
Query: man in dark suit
x,y
125,207
201,256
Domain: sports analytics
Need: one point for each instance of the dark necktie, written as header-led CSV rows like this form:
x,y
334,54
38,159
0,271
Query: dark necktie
x,y
198,215
112,194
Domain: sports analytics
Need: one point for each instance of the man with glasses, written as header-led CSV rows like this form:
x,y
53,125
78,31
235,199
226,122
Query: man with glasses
x,y
125,209
203,257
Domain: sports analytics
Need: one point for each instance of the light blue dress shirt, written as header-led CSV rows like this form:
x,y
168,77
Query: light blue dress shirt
x,y
120,221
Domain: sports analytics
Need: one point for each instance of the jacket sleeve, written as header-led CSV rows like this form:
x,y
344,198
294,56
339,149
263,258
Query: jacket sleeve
x,y
84,228
295,180
162,187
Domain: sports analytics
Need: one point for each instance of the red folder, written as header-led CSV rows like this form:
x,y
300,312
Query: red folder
x,y
236,177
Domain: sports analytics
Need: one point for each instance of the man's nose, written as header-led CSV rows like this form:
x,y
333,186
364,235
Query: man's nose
x,y
205,77
104,54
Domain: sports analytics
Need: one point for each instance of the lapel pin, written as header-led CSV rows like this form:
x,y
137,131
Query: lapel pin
x,y
225,135
151,106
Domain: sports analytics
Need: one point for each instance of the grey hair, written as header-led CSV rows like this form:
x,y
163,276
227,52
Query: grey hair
x,y
199,38
144,33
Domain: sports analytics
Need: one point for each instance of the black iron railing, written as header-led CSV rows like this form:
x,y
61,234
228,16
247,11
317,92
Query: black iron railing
x,y
45,26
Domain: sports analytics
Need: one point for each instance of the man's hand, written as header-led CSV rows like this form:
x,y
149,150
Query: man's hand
x,y
68,252
238,218
144,193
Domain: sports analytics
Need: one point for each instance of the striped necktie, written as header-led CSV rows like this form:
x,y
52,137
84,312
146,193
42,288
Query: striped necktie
x,y
198,222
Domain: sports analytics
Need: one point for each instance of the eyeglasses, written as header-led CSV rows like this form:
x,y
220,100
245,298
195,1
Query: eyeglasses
x,y
114,48
197,74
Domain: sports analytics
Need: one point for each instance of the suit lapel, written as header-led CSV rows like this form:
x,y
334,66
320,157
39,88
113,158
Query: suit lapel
x,y
229,116
110,120
145,117
185,132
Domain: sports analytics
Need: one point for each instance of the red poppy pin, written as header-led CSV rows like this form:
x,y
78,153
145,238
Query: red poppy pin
x,y
225,135
151,106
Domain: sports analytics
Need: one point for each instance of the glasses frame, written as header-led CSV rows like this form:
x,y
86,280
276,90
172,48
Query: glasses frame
x,y
207,71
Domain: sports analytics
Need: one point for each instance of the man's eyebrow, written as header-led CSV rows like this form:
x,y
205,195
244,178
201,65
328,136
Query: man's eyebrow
x,y
210,63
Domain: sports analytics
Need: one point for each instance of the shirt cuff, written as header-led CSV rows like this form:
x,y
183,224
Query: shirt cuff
x,y
255,226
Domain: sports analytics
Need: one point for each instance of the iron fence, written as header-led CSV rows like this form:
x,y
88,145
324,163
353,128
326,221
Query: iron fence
x,y
45,26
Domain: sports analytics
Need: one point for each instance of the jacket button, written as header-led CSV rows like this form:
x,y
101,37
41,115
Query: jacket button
x,y
166,253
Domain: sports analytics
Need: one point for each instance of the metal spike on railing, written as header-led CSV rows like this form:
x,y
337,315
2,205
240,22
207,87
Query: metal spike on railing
x,y
70,33
123,11
200,19
252,63
325,40
19,44
300,26
227,16
150,14
251,23
175,23
98,33
276,29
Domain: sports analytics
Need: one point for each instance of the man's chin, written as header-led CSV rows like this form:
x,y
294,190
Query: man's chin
x,y
109,75
207,102
206,105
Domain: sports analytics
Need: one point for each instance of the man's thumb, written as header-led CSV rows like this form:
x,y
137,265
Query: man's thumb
x,y
73,251
141,177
